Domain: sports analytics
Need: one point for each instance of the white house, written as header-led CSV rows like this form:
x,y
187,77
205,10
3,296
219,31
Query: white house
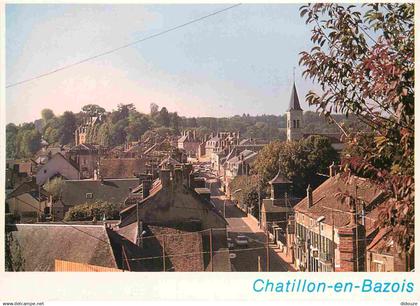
x,y
58,165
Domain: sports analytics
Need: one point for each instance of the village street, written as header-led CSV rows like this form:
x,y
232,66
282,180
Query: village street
x,y
240,224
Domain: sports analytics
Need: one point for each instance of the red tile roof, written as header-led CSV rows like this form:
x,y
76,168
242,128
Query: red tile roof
x,y
327,202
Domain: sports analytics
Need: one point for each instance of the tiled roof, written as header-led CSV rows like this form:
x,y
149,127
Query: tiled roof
x,y
170,161
40,245
280,179
327,203
182,243
114,191
29,187
122,167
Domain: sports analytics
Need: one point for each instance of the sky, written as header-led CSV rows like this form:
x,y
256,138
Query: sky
x,y
239,61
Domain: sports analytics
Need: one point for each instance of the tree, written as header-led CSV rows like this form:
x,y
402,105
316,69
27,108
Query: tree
x,y
28,140
88,212
124,110
364,64
299,161
47,114
154,109
175,122
247,196
67,128
138,124
11,144
54,187
93,110
52,130
163,117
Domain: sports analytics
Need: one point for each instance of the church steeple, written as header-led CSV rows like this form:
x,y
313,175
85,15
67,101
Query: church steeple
x,y
294,116
294,100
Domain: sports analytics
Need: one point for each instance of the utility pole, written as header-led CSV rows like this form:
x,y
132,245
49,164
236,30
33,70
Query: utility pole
x,y
267,251
163,254
333,249
211,249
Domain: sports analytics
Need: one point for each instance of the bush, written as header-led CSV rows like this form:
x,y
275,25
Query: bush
x,y
86,212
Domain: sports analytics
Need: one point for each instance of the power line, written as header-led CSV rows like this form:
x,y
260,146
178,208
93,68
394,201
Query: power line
x,y
121,47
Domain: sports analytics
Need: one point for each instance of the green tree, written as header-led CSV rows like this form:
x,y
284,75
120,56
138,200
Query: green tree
x,y
247,196
163,117
93,110
54,187
47,114
364,64
28,141
299,161
138,124
11,144
67,128
97,210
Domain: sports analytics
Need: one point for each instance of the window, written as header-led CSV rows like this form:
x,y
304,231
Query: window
x,y
377,266
297,123
89,195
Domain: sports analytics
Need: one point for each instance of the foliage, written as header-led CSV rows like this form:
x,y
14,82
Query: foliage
x,y
299,161
364,64
247,197
54,187
97,210
11,144
14,260
47,114
93,110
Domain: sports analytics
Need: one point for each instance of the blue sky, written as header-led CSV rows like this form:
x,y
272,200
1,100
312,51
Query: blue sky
x,y
240,61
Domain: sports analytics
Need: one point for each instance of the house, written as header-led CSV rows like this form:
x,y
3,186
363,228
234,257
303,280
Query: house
x,y
189,142
57,165
220,141
383,254
86,156
120,168
75,192
46,152
37,246
333,233
236,165
191,222
18,171
28,202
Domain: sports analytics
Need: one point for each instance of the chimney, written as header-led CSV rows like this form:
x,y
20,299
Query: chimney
x,y
333,169
146,188
309,196
165,175
187,170
178,176
139,238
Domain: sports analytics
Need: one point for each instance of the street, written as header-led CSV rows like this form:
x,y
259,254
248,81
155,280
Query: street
x,y
240,224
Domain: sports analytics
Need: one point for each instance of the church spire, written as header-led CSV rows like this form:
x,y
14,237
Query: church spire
x,y
294,100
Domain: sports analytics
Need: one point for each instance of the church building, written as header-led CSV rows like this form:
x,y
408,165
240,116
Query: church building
x,y
294,117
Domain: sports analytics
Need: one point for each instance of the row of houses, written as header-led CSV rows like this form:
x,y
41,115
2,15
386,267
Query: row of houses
x,y
166,224
336,227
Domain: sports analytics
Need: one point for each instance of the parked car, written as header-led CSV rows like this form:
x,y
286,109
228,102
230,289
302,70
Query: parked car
x,y
230,243
241,240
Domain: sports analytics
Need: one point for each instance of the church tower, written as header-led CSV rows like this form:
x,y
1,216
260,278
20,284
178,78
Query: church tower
x,y
294,117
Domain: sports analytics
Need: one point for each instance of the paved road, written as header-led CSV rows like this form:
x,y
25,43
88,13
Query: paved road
x,y
240,224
